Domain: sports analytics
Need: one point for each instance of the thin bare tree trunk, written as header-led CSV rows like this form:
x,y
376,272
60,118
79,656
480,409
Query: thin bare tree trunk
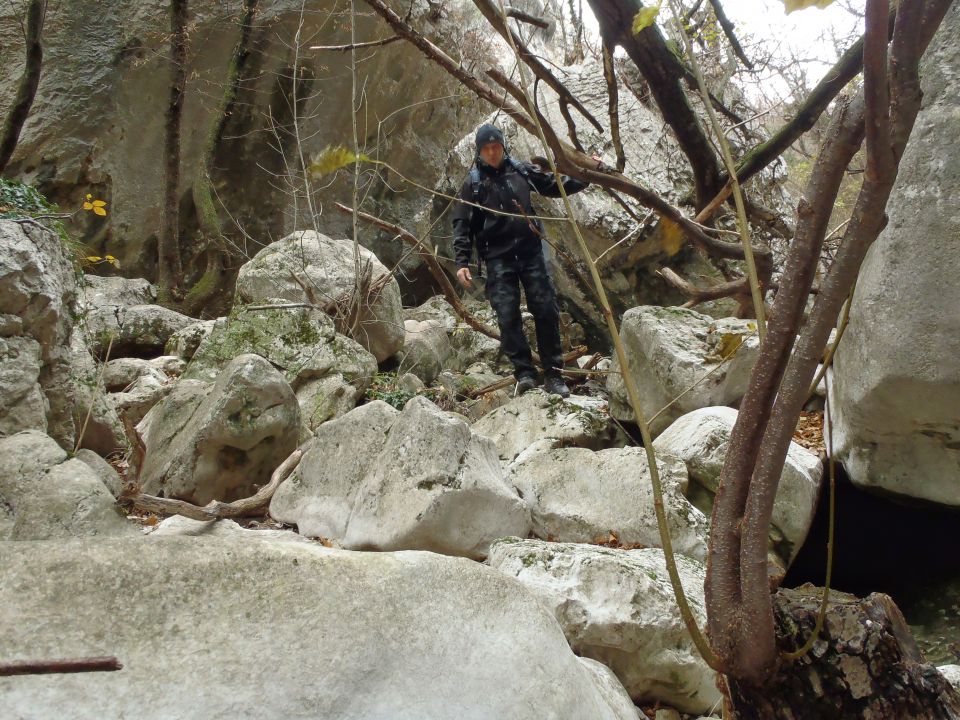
x,y
170,270
29,82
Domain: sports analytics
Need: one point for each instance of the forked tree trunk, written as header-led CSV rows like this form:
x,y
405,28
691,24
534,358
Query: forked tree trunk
x,y
864,666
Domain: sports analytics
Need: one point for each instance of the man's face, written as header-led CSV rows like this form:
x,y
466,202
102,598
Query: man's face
x,y
492,154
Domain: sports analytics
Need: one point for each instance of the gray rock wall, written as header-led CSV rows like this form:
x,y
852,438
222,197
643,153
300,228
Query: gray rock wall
x,y
896,390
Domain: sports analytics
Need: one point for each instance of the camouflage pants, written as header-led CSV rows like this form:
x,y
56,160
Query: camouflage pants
x,y
504,276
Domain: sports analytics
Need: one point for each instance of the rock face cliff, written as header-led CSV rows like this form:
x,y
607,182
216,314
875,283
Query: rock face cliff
x,y
97,126
896,388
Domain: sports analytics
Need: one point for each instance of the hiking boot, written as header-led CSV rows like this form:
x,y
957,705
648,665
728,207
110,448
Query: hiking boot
x,y
554,385
524,383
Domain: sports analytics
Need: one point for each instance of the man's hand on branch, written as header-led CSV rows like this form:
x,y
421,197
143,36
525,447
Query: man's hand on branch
x,y
464,277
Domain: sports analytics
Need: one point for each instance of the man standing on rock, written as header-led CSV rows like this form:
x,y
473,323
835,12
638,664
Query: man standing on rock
x,y
508,240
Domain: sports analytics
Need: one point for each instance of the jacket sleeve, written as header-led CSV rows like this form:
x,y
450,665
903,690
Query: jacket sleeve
x,y
545,183
462,243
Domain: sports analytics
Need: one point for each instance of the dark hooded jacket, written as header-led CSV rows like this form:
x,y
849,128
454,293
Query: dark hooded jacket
x,y
507,189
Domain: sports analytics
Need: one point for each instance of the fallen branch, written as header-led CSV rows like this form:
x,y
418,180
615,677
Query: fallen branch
x,y
106,663
216,510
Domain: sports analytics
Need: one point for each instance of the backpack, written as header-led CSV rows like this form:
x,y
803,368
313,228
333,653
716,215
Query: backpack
x,y
476,186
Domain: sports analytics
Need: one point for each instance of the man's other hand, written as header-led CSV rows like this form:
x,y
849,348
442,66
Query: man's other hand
x,y
465,278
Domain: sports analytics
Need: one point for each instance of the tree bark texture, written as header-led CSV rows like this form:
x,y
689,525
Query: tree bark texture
x,y
663,72
865,665
29,82
168,247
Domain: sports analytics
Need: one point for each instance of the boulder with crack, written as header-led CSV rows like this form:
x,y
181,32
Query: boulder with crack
x,y
701,439
406,635
578,495
309,267
680,361
46,495
382,479
618,607
220,441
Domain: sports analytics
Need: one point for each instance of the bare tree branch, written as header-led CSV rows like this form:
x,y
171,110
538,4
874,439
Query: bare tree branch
x,y
50,667
542,72
728,31
528,18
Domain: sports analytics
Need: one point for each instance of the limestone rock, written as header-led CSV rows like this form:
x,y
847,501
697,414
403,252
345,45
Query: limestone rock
x,y
184,342
327,267
220,442
38,288
301,342
406,636
102,469
577,495
23,406
701,438
326,398
121,373
618,607
895,395
93,414
136,330
952,674
44,495
101,291
137,400
537,416
612,689
669,350
426,349
381,479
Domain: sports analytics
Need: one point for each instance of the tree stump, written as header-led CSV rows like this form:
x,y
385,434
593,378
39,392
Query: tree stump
x,y
864,665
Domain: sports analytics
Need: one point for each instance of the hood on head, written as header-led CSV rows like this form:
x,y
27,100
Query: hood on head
x,y
488,133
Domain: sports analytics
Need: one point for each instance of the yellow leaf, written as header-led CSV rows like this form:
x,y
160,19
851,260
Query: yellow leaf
x,y
99,203
791,5
89,196
98,210
88,206
671,236
332,159
93,258
644,18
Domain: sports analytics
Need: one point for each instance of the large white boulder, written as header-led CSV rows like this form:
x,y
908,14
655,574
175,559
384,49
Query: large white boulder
x,y
535,416
381,479
221,441
328,267
45,495
670,351
245,627
578,495
618,607
701,439
895,395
